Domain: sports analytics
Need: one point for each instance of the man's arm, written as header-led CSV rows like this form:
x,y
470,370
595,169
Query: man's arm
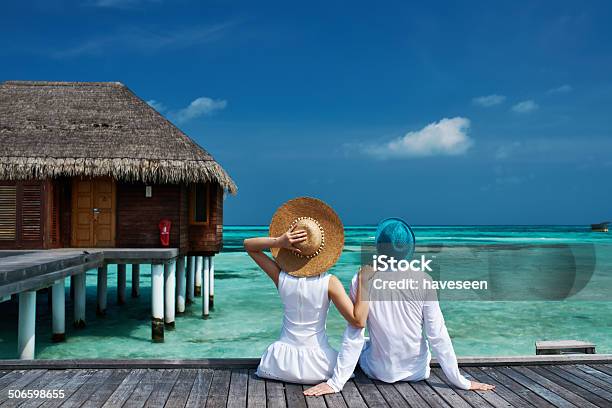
x,y
440,342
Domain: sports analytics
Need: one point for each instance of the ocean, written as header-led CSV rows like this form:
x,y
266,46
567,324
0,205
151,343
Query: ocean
x,y
546,283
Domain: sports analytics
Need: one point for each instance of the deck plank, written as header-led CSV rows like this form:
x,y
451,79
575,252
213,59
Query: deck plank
x,y
477,399
598,370
391,395
162,388
125,389
143,389
70,387
256,396
592,375
219,388
180,392
445,391
238,389
351,395
555,387
37,384
410,395
79,397
200,389
335,400
99,397
505,393
57,381
568,381
517,388
18,381
606,368
428,394
7,379
534,386
294,394
370,393
275,394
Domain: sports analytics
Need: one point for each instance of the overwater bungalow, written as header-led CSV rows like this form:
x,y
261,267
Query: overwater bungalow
x,y
93,165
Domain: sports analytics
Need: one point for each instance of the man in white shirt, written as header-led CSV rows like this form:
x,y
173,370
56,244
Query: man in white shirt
x,y
402,325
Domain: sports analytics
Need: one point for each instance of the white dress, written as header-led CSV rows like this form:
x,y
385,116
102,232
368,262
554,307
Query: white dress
x,y
302,354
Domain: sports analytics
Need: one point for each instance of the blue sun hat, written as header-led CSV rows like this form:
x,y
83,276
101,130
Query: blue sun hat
x,y
395,238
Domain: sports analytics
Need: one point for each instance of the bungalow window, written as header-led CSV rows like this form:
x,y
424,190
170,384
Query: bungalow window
x,y
199,204
8,213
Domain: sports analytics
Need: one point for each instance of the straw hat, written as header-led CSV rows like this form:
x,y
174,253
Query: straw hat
x,y
325,236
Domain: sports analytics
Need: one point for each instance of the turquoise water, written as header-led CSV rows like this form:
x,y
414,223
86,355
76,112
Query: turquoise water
x,y
248,313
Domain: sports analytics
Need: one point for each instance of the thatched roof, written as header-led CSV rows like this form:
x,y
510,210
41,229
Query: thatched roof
x,y
50,129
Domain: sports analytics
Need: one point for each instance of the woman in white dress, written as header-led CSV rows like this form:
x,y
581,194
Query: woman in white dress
x,y
306,239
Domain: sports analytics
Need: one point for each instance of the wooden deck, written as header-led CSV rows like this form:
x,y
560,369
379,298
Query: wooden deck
x,y
549,385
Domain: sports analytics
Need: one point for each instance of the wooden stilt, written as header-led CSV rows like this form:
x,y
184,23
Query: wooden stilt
x,y
206,292
135,280
191,266
180,285
212,282
170,293
58,310
26,337
198,276
80,287
102,289
157,303
121,284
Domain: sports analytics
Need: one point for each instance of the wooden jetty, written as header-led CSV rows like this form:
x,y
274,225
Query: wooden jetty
x,y
173,278
542,381
564,347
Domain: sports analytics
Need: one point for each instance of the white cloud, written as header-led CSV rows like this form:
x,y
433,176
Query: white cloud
x,y
525,106
506,150
121,4
560,89
489,100
448,137
144,40
158,106
201,106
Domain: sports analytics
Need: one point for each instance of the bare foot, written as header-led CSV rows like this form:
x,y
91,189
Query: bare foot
x,y
476,386
319,390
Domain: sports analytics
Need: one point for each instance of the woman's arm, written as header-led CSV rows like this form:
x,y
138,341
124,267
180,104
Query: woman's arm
x,y
256,246
355,314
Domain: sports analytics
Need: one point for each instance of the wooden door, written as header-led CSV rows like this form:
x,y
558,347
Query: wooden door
x,y
93,212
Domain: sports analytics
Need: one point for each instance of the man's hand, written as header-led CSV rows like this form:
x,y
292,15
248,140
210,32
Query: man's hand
x,y
365,275
476,386
291,237
319,390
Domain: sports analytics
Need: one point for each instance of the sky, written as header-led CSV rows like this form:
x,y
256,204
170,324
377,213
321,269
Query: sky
x,y
444,113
